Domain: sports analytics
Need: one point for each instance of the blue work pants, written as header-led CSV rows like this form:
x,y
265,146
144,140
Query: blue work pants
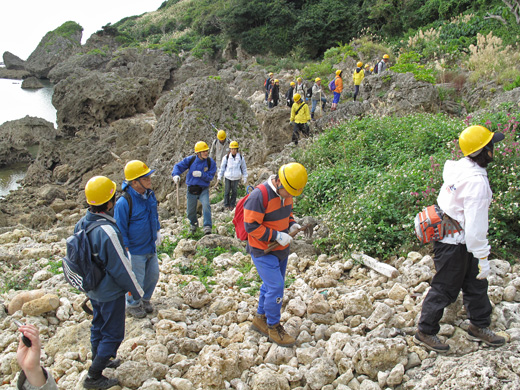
x,y
108,327
206,208
146,270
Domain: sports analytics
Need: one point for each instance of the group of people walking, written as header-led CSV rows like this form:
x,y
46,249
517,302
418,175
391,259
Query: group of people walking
x,y
126,241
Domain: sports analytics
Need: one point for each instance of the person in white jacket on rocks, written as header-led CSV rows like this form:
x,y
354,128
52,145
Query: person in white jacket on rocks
x,y
233,168
461,260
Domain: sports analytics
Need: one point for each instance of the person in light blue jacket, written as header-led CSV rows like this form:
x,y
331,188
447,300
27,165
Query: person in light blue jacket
x,y
108,298
138,220
201,171
232,168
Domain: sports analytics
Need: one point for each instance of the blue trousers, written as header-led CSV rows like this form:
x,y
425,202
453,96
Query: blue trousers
x,y
146,270
272,272
315,103
108,327
206,208
336,97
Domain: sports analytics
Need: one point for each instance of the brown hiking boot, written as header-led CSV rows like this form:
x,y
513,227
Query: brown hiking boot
x,y
431,342
260,324
486,335
278,335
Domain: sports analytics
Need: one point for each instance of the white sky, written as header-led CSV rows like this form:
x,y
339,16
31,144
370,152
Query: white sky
x,y
23,23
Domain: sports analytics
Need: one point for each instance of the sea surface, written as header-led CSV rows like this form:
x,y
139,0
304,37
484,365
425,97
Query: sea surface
x,y
16,103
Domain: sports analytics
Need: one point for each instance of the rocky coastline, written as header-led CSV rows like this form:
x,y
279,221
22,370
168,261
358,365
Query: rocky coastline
x,y
354,327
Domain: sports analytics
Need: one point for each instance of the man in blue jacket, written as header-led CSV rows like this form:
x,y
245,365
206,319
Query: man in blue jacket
x,y
108,298
201,170
138,220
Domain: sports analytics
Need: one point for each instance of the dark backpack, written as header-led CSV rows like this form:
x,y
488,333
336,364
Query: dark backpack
x,y
81,268
238,220
376,68
128,198
309,92
193,160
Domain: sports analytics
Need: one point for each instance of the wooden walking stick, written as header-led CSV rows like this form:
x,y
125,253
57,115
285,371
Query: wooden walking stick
x,y
177,195
275,244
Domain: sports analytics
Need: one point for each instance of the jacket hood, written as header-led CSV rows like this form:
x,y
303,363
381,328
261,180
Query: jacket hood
x,y
358,70
455,171
124,185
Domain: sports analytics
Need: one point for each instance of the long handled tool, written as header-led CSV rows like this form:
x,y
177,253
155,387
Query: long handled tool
x,y
275,244
177,195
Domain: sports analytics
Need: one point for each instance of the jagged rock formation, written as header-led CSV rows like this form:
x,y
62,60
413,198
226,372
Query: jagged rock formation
x,y
13,62
31,83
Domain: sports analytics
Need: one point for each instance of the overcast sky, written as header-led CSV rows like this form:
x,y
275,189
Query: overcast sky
x,y
23,23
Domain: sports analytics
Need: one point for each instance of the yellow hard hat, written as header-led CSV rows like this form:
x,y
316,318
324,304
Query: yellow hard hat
x,y
386,56
276,80
221,135
233,145
371,68
366,66
270,74
359,64
299,79
317,79
99,190
293,83
297,97
474,138
201,146
293,177
135,169
338,72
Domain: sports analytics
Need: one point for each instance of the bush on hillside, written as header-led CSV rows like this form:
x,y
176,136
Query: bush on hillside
x,y
410,62
368,178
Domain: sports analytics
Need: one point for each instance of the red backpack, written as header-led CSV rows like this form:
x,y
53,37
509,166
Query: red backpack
x,y
238,220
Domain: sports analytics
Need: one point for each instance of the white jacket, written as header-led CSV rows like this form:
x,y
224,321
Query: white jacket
x,y
465,196
233,168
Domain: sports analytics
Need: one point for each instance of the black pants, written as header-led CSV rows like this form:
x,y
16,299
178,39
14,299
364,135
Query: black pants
x,y
356,91
299,127
456,269
230,186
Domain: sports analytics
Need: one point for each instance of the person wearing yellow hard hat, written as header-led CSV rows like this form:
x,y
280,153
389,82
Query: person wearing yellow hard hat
x,y
317,97
219,147
273,224
357,77
289,94
201,171
267,84
300,116
367,70
461,258
382,65
138,220
338,88
108,298
274,93
300,88
232,169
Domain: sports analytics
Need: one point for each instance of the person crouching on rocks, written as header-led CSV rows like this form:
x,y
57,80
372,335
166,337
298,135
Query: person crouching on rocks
x,y
266,225
201,170
461,260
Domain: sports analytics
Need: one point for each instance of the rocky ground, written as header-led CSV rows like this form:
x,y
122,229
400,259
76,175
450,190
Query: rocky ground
x,y
354,327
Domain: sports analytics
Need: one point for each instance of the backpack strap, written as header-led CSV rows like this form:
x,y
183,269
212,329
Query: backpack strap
x,y
193,159
128,198
265,195
299,108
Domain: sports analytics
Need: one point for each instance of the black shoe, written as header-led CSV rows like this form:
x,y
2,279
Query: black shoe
x,y
113,363
486,335
100,383
147,306
136,311
431,342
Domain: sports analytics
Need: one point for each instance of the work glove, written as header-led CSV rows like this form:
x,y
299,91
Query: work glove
x,y
283,238
244,180
159,239
294,227
176,179
483,268
196,173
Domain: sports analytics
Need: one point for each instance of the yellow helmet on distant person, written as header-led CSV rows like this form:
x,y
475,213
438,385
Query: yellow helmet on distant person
x,y
359,64
371,68
233,145
293,177
367,66
299,79
338,72
317,79
135,169
201,146
297,97
386,56
474,138
271,74
276,80
99,190
221,135
292,84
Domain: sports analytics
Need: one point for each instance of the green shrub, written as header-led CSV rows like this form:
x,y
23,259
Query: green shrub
x,y
409,62
370,176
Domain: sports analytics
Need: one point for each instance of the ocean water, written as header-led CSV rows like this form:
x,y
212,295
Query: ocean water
x,y
16,102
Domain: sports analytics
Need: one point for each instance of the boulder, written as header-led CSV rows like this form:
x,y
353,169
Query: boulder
x,y
380,355
31,83
41,305
196,295
13,62
55,47
27,131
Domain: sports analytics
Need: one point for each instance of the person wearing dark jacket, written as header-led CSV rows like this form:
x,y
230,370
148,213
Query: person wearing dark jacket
x,y
289,94
201,171
274,93
108,298
138,220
